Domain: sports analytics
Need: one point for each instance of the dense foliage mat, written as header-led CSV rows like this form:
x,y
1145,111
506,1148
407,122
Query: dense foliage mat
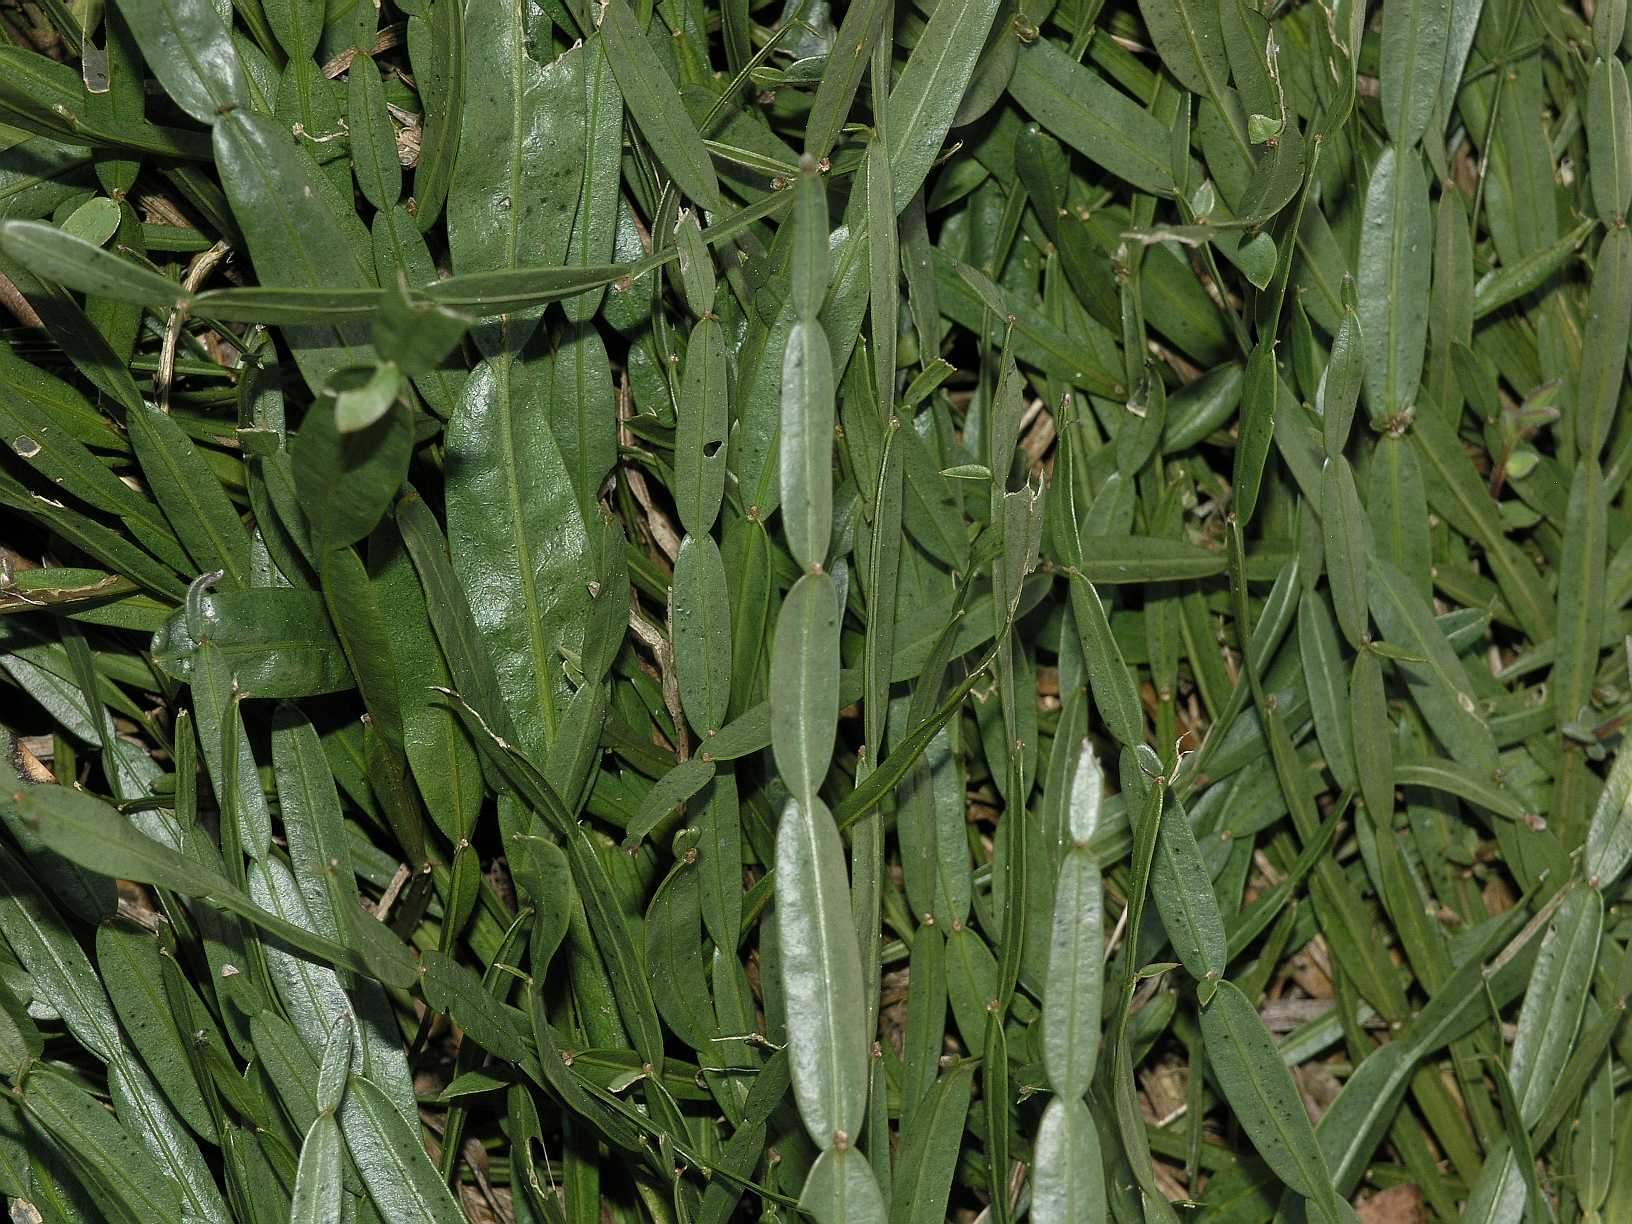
x,y
681,612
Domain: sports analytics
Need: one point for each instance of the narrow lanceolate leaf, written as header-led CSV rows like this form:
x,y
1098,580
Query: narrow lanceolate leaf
x,y
810,243
54,254
1438,683
436,41
401,1180
518,542
1075,982
131,971
190,495
841,1189
187,44
926,97
122,1177
1373,734
1609,837
1133,558
1068,1179
335,1069
1414,41
1185,899
1555,1000
1261,1093
843,74
49,951
1580,596
1190,39
1609,138
1108,674
666,796
1348,547
821,976
805,684
1339,387
930,1145
1609,322
373,141
702,633
299,238
1260,398
806,443
594,227
700,435
520,168
656,107
319,1186
1395,237
1092,116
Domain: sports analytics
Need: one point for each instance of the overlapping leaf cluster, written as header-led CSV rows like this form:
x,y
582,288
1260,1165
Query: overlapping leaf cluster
x,y
943,610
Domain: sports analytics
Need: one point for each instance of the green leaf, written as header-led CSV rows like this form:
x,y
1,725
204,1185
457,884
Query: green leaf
x,y
520,165
319,1190
1075,982
1260,1090
300,235
1609,837
928,1158
192,498
926,97
373,141
188,45
127,1183
130,966
841,1189
655,106
1555,1000
1414,42
92,834
436,42
1438,685
57,255
1190,40
518,542
1185,900
20,1039
674,959
594,226
702,429
61,974
1132,558
806,444
1512,281
1260,398
671,790
702,634
842,75
1609,138
1373,734
1580,596
1105,126
358,403
1609,323
1069,1181
1348,547
453,988
821,976
336,1068
805,684
1393,281
402,1182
